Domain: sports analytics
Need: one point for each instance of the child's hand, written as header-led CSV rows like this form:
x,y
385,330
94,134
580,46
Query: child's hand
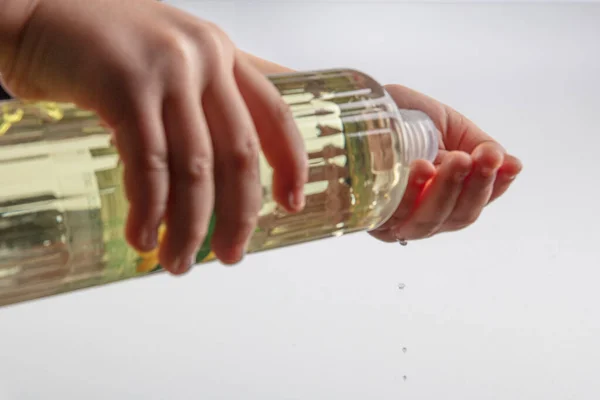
x,y
471,170
190,115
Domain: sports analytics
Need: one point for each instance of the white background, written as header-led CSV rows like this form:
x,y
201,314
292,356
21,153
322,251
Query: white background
x,y
507,309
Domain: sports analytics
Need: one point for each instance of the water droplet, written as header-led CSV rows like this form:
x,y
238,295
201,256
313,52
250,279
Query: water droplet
x,y
404,377
404,350
402,242
401,286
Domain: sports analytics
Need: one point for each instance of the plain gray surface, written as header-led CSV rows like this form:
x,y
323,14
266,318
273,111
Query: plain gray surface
x,y
506,309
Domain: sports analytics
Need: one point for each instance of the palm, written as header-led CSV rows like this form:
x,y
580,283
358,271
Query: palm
x,y
470,171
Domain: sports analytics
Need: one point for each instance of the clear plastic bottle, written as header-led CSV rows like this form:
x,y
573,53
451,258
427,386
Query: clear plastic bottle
x,y
62,203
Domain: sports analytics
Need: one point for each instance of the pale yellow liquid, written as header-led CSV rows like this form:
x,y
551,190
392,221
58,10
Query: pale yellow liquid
x,y
63,208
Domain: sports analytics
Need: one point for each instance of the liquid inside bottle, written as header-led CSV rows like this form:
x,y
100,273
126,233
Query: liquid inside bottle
x,y
63,207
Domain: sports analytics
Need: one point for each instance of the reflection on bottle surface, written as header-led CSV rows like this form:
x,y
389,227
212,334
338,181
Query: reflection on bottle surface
x,y
63,208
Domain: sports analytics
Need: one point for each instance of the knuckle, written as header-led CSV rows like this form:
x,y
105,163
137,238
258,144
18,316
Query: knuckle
x,y
125,77
196,168
213,29
177,50
152,162
243,158
212,41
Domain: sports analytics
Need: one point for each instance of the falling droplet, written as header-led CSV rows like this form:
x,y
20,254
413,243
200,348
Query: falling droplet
x,y
401,286
405,377
404,350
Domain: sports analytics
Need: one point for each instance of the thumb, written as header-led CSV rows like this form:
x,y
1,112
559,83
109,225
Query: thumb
x,y
458,132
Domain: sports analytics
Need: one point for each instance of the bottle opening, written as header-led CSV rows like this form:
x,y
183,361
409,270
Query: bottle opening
x,y
420,136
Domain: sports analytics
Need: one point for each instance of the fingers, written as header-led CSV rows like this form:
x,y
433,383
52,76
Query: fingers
x,y
487,159
424,209
438,199
280,138
194,162
506,176
421,172
191,192
385,235
407,98
458,132
236,149
493,172
143,150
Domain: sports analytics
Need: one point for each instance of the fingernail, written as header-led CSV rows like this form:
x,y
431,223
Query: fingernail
x,y
297,199
183,264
